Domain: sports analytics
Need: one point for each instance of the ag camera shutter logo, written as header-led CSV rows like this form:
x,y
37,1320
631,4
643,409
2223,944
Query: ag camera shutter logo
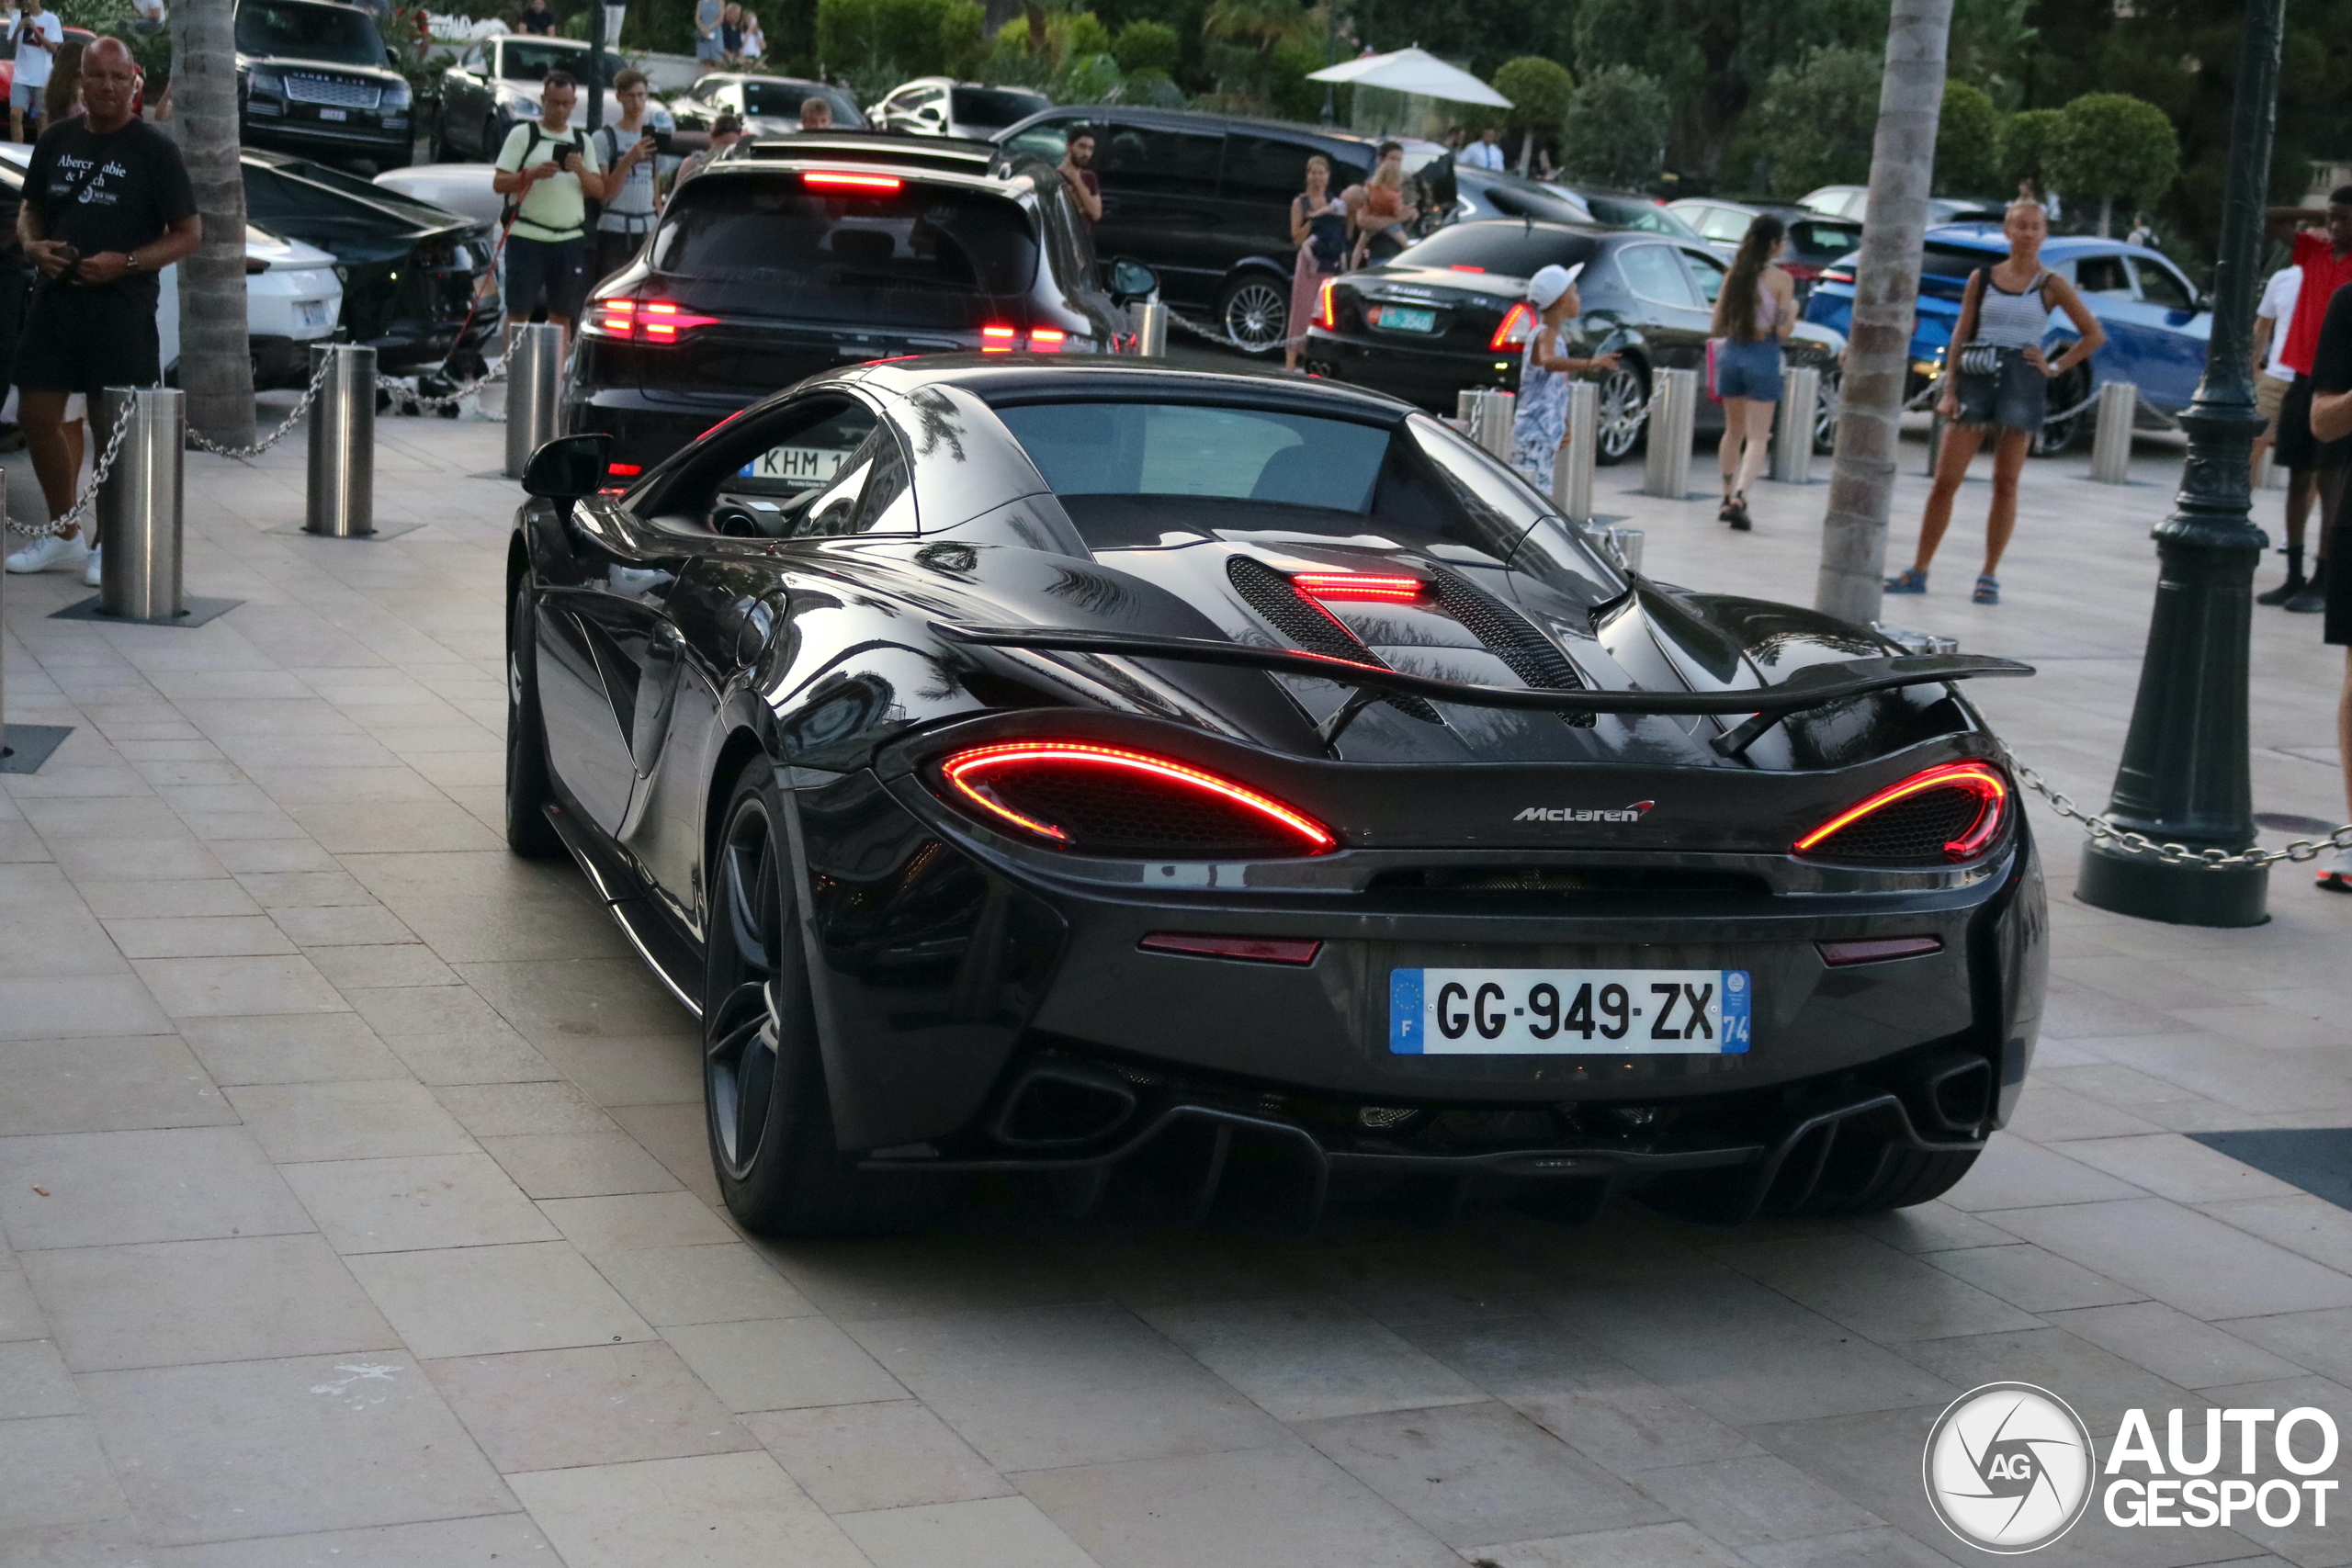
x,y
2009,1468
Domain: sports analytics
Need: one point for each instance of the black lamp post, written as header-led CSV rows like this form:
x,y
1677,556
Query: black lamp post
x,y
2184,777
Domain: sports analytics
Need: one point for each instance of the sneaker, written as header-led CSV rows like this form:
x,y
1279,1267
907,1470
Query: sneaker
x,y
46,554
2336,874
2284,591
1910,580
90,567
1988,592
2310,601
1739,519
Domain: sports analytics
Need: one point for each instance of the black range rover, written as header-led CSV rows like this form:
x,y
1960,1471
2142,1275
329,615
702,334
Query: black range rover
x,y
314,77
806,253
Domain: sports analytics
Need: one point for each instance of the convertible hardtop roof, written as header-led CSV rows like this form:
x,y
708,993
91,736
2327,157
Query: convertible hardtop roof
x,y
996,378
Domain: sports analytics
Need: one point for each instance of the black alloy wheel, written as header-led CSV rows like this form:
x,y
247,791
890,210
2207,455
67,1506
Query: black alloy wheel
x,y
528,793
2057,434
780,1168
1624,412
1255,313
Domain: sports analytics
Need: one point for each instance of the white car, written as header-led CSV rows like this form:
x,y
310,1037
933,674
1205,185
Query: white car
x,y
462,188
293,295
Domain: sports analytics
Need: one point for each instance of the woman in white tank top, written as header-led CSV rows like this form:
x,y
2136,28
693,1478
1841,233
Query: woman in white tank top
x,y
1995,382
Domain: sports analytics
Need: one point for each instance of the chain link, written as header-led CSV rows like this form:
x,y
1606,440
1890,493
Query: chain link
x,y
1223,340
204,443
2100,830
404,394
79,512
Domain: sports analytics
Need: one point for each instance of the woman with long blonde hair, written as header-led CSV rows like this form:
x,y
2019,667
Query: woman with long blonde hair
x,y
1754,313
1318,227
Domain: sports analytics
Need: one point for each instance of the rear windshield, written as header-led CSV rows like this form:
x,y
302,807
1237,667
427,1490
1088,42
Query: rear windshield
x,y
994,109
522,61
1511,249
1633,213
1186,449
782,100
921,256
1954,261
329,33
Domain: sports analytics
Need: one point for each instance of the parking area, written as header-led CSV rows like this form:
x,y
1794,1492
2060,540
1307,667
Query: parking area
x,y
357,1210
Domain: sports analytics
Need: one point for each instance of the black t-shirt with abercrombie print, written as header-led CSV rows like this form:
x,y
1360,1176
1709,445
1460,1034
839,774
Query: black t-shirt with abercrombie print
x,y
115,192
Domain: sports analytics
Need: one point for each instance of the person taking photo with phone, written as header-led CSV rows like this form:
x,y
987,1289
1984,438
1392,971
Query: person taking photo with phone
x,y
36,32
549,172
631,210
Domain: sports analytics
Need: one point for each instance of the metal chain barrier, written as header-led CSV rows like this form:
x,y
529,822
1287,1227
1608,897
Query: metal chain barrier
x,y
79,512
1223,340
204,443
404,395
2100,830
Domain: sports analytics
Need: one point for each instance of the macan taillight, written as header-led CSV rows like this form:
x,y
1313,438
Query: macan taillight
x,y
644,321
1940,815
1110,800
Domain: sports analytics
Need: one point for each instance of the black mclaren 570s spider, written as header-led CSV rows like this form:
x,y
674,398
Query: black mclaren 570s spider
x,y
1228,793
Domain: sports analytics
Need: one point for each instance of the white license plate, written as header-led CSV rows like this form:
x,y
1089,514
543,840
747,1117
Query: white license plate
x,y
333,114
1404,318
313,313
809,465
1565,1012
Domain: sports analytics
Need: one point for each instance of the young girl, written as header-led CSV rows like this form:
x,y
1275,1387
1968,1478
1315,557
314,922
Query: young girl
x,y
1318,227
1540,423
1754,313
1383,215
1997,382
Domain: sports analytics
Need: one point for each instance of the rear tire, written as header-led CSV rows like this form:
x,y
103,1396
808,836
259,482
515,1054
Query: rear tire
x,y
1624,401
1255,313
528,793
2056,437
1908,1176
780,1166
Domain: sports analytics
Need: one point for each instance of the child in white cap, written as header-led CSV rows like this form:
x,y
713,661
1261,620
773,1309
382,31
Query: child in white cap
x,y
1540,427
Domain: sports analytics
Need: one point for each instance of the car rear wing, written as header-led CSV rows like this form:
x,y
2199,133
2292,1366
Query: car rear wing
x,y
1816,685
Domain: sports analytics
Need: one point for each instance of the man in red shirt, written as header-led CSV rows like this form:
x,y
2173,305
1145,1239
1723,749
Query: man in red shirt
x,y
2325,256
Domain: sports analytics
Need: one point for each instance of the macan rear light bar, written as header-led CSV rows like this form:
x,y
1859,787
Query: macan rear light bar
x,y
1001,339
852,182
1110,800
1945,814
1356,587
644,321
1519,324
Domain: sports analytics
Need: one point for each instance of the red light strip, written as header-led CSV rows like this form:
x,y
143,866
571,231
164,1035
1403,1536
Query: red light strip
x,y
624,470
842,179
1046,340
1518,325
1247,949
998,340
1339,587
1989,786
1325,313
966,767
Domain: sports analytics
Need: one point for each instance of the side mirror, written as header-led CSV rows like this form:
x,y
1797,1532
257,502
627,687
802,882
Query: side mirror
x,y
569,469
1130,280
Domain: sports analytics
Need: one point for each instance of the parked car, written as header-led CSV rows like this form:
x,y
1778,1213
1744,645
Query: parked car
x,y
293,293
801,252
411,270
1214,788
315,78
2157,322
1204,200
494,87
1483,193
1849,202
768,106
461,188
941,106
1450,314
1814,242
1630,210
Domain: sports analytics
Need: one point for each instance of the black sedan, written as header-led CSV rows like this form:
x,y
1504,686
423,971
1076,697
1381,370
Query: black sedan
x,y
411,270
804,252
1449,314
1244,791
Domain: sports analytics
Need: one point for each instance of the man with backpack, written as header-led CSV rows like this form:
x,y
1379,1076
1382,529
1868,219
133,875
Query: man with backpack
x,y
549,172
631,210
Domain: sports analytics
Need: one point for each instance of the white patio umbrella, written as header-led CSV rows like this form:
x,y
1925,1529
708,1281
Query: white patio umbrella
x,y
1414,71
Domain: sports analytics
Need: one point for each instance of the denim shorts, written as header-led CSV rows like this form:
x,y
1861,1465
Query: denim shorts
x,y
2016,395
549,272
1748,370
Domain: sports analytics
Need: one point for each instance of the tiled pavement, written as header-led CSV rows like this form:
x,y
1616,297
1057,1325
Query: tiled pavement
x,y
356,1210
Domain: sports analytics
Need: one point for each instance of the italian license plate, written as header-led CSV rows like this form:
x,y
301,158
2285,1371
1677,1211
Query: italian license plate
x,y
1404,318
809,465
333,114
1565,1012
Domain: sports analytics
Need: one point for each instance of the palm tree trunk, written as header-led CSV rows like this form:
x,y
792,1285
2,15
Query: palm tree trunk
x,y
1886,288
216,360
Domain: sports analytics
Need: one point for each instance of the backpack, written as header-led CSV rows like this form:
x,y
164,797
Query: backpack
x,y
515,202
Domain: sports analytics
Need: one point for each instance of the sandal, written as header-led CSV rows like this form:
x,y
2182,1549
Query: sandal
x,y
1988,592
1910,580
1727,510
1738,507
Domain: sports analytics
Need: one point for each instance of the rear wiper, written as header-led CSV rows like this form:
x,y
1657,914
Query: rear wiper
x,y
1816,685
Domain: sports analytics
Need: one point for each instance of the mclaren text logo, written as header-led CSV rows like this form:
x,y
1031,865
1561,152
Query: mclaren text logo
x,y
2009,1466
1632,813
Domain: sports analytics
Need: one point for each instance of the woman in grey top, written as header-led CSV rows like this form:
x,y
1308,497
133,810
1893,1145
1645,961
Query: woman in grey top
x,y
1997,381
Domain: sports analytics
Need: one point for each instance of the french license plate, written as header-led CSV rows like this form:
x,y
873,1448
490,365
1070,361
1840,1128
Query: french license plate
x,y
1403,319
809,465
333,114
1561,1013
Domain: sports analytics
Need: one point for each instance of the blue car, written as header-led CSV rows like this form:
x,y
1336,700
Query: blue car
x,y
2156,323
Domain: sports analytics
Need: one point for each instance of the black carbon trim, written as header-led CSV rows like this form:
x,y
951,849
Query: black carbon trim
x,y
1509,637
1306,624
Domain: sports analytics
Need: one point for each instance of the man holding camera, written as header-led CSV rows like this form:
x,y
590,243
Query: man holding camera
x,y
549,173
628,149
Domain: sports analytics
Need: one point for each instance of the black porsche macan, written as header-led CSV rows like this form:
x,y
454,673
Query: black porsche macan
x,y
1235,793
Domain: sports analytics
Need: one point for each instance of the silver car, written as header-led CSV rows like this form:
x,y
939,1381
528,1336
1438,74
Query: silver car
x,y
941,106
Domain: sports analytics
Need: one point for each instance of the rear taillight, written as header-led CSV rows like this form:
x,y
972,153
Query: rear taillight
x,y
1518,325
1943,815
1837,274
1004,340
1325,316
624,470
999,340
1107,800
644,321
1046,340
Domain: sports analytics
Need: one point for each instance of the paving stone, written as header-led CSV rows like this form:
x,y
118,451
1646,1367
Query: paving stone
x,y
105,1086
404,1205
673,1285
289,1048
999,1533
782,1363
892,1454
492,1540
107,1188
712,1511
477,1301
364,1120
1304,1360
593,1405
